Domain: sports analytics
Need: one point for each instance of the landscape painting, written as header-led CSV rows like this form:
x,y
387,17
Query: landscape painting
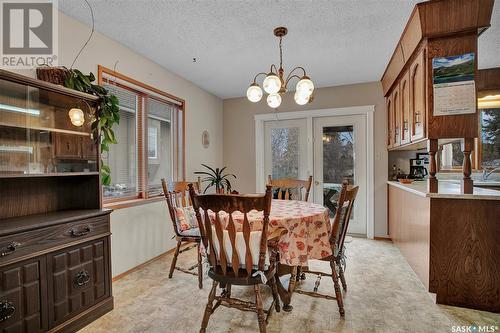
x,y
453,69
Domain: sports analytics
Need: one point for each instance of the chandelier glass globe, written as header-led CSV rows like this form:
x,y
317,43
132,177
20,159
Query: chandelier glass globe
x,y
305,86
272,83
300,98
274,100
254,93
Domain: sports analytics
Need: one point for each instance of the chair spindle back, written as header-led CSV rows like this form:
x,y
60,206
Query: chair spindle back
x,y
286,185
230,203
342,216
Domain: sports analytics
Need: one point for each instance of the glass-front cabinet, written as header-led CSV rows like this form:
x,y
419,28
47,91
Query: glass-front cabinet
x,y
45,133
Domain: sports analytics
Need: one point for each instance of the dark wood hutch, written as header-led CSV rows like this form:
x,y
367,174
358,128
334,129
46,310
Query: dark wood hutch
x,y
55,268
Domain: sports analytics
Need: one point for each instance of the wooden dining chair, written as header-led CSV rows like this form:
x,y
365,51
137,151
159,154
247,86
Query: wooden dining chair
x,y
243,258
178,198
291,189
337,237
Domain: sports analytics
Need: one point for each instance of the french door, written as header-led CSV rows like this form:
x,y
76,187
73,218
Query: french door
x,y
340,154
331,149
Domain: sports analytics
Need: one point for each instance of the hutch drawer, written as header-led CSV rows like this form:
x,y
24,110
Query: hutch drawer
x,y
22,297
78,277
17,247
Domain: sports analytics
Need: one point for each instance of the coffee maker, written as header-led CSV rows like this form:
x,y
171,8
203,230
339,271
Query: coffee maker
x,y
417,169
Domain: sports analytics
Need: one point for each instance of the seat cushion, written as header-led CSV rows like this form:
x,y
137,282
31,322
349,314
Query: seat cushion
x,y
241,247
185,218
192,232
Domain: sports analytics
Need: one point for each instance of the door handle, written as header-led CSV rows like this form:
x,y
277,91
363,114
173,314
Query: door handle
x,y
316,182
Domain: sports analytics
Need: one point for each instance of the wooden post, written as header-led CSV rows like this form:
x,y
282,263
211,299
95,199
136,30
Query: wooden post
x,y
467,184
432,148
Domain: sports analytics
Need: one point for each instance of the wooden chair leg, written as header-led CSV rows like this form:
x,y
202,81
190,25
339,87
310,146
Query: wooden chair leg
x,y
341,275
174,259
276,297
208,308
200,268
260,311
338,292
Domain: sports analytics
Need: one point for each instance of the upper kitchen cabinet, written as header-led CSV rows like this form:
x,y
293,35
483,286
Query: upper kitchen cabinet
x,y
435,29
417,97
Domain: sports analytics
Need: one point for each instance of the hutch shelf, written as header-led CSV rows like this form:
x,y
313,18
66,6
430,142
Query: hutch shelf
x,y
55,268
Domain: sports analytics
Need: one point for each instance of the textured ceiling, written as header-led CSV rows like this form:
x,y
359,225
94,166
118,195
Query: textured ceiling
x,y
337,41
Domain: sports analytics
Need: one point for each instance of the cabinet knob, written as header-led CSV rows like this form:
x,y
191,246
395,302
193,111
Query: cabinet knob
x,y
7,310
82,278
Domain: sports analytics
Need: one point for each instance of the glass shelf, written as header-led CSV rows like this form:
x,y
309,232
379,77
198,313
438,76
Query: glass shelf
x,y
37,136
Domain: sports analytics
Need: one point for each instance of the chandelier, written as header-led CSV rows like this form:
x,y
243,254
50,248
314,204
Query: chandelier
x,y
275,84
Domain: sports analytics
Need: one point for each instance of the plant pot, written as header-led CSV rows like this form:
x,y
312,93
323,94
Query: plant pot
x,y
55,75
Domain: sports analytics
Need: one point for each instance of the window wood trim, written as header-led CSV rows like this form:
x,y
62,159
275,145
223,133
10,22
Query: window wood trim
x,y
143,196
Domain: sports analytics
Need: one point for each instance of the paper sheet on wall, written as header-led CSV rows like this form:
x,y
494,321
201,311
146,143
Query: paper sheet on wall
x,y
453,85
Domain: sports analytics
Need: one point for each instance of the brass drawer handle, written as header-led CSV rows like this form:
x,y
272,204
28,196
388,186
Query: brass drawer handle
x,y
7,310
9,249
74,232
82,278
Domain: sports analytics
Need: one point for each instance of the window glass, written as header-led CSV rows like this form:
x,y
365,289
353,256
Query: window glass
x,y
160,143
490,137
122,157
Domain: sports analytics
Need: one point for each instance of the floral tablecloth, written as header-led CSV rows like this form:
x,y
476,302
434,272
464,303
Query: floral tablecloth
x,y
304,229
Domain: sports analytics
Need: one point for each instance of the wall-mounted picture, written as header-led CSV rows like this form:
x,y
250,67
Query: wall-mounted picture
x,y
453,69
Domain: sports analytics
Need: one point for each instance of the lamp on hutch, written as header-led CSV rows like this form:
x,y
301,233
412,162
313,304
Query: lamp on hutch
x,y
275,84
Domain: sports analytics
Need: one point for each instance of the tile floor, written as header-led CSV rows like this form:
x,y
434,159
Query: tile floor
x,y
384,295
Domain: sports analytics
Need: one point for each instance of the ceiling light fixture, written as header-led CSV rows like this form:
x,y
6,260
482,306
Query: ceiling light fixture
x,y
275,84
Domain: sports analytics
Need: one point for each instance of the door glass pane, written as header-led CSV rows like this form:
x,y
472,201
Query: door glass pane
x,y
285,152
338,162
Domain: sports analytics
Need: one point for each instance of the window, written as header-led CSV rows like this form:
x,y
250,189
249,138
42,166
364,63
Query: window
x,y
150,139
490,138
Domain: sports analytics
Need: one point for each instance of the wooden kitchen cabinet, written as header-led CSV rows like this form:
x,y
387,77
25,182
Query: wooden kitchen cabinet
x,y
67,146
22,297
417,97
404,90
390,121
77,279
396,119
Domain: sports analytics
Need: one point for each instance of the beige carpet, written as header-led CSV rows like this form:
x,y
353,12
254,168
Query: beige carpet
x,y
384,295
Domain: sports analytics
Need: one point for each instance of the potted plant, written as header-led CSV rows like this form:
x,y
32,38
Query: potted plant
x,y
216,177
108,111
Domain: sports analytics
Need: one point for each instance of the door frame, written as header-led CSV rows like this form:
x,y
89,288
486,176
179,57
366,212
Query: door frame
x,y
366,110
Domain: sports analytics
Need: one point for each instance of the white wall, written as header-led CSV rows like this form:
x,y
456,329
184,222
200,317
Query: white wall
x,y
143,232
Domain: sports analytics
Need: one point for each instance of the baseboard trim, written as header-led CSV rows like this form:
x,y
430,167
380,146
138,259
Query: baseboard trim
x,y
386,238
138,267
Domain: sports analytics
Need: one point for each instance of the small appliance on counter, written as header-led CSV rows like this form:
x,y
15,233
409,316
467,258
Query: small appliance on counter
x,y
417,169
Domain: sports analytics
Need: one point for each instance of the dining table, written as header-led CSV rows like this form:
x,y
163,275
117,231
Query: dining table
x,y
302,231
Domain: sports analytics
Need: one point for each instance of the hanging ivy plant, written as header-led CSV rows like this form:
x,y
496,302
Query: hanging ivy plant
x,y
108,112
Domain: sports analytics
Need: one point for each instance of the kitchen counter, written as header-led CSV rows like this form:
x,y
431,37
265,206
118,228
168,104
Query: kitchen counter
x,y
447,189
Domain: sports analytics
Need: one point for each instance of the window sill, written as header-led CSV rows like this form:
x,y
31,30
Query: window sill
x,y
131,203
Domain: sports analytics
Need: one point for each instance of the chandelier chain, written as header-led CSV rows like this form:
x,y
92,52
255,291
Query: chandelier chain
x,y
281,54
